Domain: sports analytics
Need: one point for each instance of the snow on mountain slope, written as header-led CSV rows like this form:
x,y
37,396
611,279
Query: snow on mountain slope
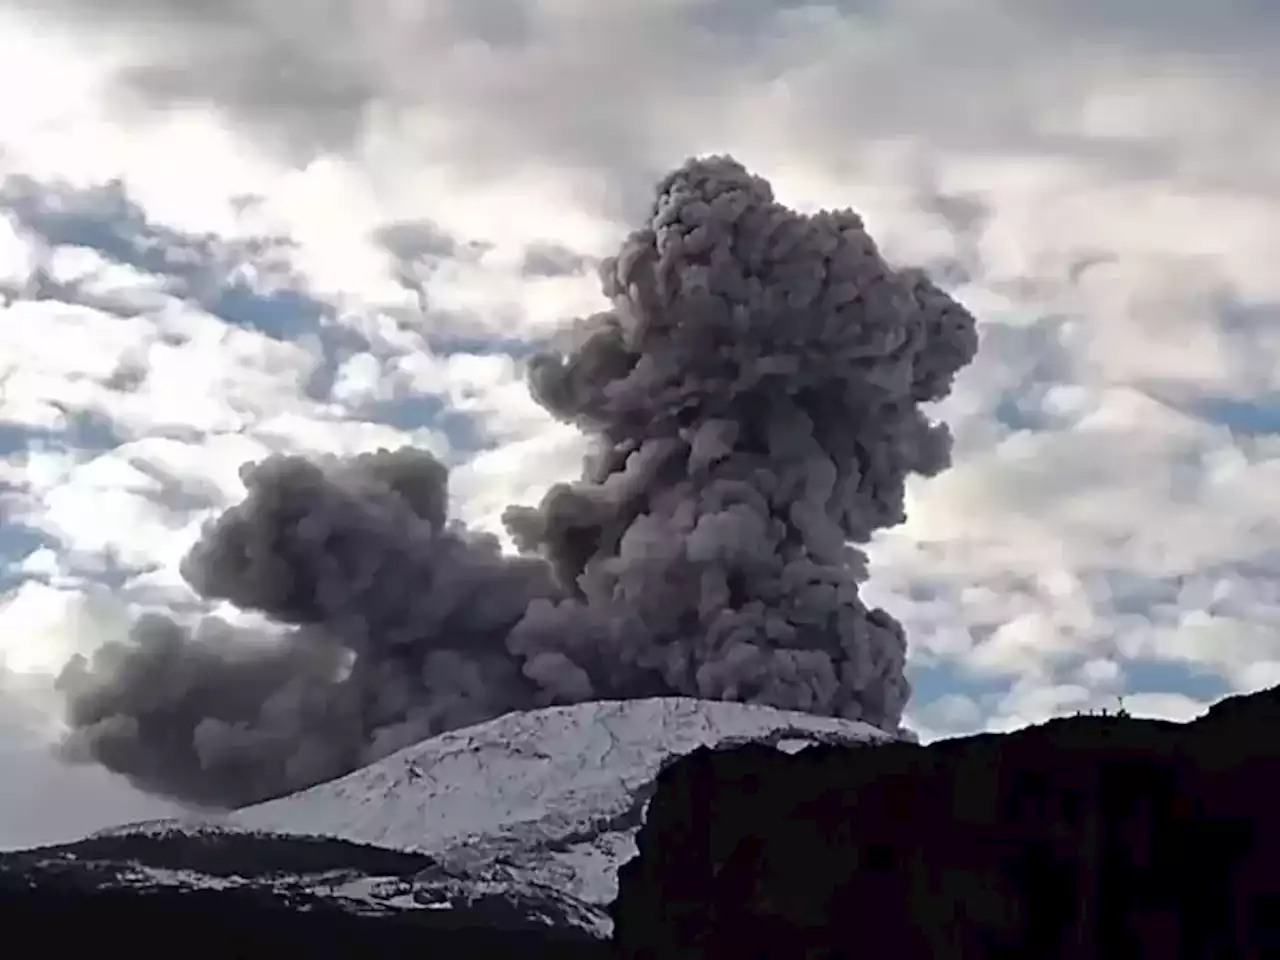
x,y
220,877
552,797
551,767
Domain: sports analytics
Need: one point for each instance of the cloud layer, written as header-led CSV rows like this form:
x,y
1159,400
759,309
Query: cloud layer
x,y
1095,182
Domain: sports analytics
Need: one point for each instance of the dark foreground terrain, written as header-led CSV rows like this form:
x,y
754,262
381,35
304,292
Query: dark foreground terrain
x,y
248,895
1083,838
1090,838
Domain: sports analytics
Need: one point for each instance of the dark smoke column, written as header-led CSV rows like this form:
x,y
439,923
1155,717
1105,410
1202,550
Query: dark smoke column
x,y
755,397
754,401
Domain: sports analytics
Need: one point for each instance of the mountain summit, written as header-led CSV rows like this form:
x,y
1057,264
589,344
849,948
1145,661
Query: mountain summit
x,y
557,793
519,823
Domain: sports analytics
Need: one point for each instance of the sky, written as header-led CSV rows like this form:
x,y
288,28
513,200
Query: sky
x,y
328,226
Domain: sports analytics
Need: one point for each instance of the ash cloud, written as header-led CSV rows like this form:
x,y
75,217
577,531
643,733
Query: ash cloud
x,y
753,397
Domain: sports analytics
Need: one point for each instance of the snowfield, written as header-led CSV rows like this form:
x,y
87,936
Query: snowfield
x,y
550,798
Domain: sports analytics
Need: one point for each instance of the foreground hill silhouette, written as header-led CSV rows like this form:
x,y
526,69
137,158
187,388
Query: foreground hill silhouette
x,y
1087,837
220,894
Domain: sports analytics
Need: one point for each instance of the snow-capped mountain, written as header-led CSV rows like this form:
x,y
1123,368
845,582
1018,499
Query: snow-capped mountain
x,y
499,840
544,803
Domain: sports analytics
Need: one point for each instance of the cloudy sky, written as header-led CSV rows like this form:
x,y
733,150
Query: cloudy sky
x,y
230,228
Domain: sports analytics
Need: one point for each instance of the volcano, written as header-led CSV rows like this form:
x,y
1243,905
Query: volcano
x,y
514,828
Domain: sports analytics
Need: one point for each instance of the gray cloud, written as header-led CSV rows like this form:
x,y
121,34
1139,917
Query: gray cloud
x,y
418,248
548,259
46,802
617,88
754,402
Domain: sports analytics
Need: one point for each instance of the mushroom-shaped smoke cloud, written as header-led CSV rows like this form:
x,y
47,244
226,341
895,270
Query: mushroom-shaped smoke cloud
x,y
753,397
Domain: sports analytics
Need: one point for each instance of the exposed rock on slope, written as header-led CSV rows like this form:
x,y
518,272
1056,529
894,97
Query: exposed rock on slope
x,y
557,791
1089,837
227,894
499,840
550,797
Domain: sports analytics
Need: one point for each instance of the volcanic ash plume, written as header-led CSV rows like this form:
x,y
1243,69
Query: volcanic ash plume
x,y
753,401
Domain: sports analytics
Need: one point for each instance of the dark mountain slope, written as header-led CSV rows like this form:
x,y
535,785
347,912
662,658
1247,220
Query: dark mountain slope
x,y
1082,838
232,895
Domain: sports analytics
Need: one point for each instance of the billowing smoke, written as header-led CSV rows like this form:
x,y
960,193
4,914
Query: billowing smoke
x,y
753,401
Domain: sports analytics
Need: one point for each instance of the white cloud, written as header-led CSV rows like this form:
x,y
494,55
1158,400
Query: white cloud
x,y
41,625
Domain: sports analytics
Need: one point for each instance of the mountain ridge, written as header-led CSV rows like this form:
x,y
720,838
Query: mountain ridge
x,y
555,795
518,824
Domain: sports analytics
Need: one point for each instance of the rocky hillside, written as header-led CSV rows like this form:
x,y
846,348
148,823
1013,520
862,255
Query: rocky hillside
x,y
224,894
499,840
1085,838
